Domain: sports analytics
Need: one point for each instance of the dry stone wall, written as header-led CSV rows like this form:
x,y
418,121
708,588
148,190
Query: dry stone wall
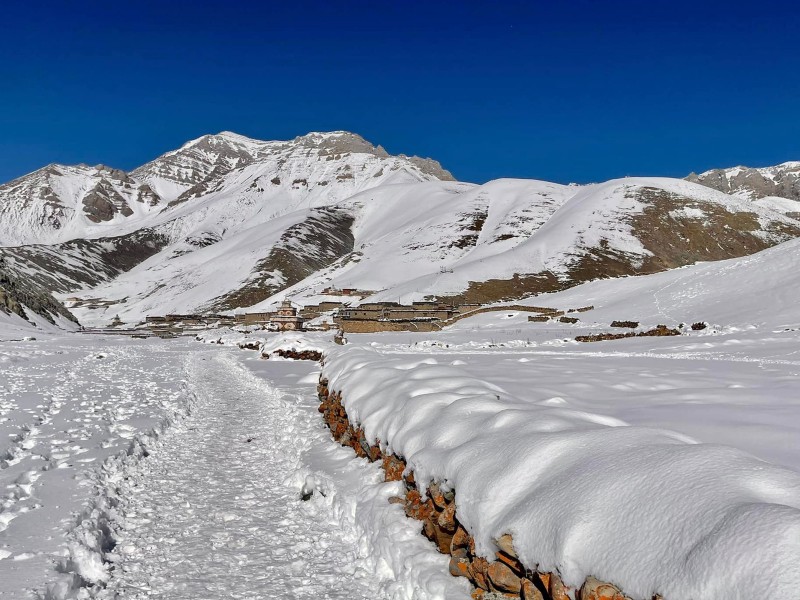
x,y
501,576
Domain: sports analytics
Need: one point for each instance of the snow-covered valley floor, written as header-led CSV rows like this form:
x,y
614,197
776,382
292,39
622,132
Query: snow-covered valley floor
x,y
175,469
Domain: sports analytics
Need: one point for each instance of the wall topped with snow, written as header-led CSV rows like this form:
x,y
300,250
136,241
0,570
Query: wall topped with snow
x,y
583,495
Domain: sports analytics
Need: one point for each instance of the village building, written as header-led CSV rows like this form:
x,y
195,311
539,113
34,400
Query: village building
x,y
287,318
312,311
334,291
255,318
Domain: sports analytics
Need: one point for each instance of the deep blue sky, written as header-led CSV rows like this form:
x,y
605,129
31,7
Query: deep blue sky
x,y
564,91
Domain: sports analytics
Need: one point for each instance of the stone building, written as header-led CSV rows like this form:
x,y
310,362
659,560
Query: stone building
x,y
255,318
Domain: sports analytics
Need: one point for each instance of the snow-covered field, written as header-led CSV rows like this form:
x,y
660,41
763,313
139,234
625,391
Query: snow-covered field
x,y
73,410
667,465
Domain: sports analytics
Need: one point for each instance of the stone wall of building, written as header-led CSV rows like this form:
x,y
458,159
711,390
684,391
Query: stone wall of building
x,y
357,326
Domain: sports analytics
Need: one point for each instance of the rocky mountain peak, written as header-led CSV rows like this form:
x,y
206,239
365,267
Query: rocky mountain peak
x,y
782,181
339,142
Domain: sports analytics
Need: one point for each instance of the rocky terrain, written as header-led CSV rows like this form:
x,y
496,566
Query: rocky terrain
x,y
18,295
781,181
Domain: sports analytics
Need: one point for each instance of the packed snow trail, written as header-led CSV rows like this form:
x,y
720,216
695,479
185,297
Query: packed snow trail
x,y
216,512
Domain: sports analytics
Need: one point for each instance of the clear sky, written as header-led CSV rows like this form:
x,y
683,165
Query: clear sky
x,y
558,90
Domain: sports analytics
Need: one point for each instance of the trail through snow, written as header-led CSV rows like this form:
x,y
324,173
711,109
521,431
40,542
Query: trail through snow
x,y
213,514
216,512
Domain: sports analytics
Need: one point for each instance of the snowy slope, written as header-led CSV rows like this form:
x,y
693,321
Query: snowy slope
x,y
395,232
505,239
526,237
759,290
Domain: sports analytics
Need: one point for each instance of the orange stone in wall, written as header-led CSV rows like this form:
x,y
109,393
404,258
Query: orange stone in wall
x,y
513,563
447,518
529,591
459,567
503,578
393,468
480,565
557,589
506,543
594,589
443,539
460,538
480,579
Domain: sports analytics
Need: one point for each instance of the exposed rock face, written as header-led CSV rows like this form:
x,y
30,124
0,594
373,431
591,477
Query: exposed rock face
x,y
103,202
782,181
49,204
84,263
432,167
197,161
16,291
338,143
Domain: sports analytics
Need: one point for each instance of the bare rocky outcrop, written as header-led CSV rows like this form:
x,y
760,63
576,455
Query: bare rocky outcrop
x,y
339,143
17,290
432,167
312,355
103,202
83,263
657,331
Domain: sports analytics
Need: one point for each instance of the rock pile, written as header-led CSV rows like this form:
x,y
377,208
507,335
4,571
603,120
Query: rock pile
x,y
657,331
629,324
504,575
314,355
249,345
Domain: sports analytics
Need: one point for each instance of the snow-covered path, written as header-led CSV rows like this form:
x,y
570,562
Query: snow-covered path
x,y
215,511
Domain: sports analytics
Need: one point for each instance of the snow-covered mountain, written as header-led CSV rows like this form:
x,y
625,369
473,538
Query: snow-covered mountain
x,y
502,240
227,222
60,203
512,238
780,181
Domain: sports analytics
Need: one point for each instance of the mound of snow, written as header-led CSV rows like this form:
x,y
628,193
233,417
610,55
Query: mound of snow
x,y
582,494
297,341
